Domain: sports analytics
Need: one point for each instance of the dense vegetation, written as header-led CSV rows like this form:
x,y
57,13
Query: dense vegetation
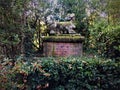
x,y
21,26
60,74
23,23
106,40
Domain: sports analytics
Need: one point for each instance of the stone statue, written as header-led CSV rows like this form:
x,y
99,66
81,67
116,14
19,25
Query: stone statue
x,y
65,27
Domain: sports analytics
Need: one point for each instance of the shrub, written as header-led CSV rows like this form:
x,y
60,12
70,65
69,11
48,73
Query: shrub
x,y
105,39
111,40
5,73
66,74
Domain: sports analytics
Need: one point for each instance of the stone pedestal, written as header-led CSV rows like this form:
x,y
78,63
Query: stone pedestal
x,y
62,48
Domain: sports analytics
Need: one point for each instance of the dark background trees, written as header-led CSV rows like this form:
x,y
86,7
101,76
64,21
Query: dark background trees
x,y
13,27
97,20
104,27
10,27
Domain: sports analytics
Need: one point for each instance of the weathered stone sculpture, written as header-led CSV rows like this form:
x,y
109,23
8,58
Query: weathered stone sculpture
x,y
64,41
65,27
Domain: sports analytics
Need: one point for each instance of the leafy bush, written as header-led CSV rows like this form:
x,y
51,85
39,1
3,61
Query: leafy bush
x,y
5,73
111,39
105,39
66,74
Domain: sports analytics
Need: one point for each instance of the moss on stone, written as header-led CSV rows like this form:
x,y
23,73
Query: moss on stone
x,y
64,38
